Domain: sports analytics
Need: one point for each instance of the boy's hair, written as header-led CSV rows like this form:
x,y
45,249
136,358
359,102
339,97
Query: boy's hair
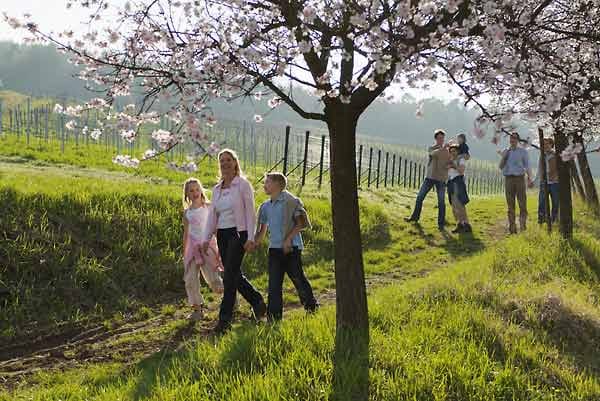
x,y
278,178
515,134
463,136
438,132
549,140
186,187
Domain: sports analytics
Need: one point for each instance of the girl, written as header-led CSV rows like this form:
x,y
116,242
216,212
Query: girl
x,y
195,260
232,217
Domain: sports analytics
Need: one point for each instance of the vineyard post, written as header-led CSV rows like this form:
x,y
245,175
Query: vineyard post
x,y
321,159
28,119
387,160
393,167
286,147
360,156
305,159
378,167
370,166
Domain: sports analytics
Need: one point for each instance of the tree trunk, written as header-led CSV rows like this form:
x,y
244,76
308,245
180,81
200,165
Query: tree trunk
x,y
577,179
351,360
564,182
587,177
544,180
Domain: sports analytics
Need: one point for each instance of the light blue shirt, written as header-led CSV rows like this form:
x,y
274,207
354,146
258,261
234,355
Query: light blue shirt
x,y
517,162
271,214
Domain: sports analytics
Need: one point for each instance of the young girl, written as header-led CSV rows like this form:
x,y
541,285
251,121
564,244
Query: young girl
x,y
194,258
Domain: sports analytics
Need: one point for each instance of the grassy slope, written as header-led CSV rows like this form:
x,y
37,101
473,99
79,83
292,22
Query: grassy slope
x,y
519,321
510,323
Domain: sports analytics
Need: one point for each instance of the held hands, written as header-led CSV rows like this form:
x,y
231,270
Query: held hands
x,y
529,183
204,247
249,246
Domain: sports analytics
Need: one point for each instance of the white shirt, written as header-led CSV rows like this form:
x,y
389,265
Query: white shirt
x,y
196,221
224,209
452,172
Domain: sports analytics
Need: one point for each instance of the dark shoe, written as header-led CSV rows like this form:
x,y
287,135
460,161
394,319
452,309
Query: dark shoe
x,y
310,309
441,228
468,228
410,219
221,328
460,228
260,311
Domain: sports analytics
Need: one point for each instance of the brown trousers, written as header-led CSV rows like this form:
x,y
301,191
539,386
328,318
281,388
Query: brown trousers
x,y
515,187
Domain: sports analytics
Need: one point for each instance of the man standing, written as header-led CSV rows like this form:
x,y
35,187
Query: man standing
x,y
552,174
437,175
514,165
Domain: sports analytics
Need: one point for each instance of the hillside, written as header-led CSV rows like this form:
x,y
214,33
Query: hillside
x,y
93,301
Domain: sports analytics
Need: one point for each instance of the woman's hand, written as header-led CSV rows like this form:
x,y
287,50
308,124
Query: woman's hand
x,y
249,246
204,247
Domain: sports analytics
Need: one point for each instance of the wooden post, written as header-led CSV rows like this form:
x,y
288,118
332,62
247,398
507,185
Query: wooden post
x,y
305,159
322,158
28,119
370,165
378,167
393,167
387,160
286,149
405,169
360,156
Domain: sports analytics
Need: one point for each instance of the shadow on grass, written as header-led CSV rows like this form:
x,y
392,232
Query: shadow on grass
x,y
461,245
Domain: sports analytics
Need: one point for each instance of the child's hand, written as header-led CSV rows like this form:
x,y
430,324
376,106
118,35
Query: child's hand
x,y
249,246
287,246
204,247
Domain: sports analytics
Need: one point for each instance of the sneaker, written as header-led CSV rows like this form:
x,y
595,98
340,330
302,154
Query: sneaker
x,y
441,228
259,310
196,315
311,309
468,228
460,228
221,328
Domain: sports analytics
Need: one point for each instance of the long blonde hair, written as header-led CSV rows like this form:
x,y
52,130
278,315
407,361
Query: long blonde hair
x,y
186,187
234,156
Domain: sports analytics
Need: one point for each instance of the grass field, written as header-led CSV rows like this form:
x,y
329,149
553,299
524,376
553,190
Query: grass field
x,y
92,248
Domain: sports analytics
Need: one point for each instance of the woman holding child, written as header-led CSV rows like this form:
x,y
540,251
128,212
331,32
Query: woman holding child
x,y
233,218
457,188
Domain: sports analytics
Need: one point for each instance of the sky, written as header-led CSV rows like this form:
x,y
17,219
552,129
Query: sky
x,y
52,15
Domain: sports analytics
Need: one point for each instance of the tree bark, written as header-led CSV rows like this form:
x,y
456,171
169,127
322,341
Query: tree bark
x,y
577,179
544,180
591,195
564,182
351,360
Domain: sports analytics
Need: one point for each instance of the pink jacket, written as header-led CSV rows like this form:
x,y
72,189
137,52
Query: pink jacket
x,y
243,208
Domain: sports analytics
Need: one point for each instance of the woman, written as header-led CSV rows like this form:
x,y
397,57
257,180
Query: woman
x,y
233,218
457,190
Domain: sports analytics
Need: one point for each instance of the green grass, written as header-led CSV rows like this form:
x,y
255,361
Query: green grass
x,y
519,321
86,244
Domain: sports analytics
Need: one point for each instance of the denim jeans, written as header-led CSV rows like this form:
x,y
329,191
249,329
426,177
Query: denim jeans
x,y
279,265
231,247
554,201
440,188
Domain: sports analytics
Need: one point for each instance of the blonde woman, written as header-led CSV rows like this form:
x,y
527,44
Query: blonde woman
x,y
232,217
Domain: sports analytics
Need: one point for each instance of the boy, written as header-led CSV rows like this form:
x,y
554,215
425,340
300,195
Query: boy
x,y
285,217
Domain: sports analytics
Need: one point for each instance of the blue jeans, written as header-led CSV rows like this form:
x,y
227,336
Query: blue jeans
x,y
440,188
554,201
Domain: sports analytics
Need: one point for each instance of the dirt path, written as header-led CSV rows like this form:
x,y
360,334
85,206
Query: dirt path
x,y
71,346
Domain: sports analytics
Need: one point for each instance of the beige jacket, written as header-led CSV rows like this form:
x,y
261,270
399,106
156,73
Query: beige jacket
x,y
437,167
